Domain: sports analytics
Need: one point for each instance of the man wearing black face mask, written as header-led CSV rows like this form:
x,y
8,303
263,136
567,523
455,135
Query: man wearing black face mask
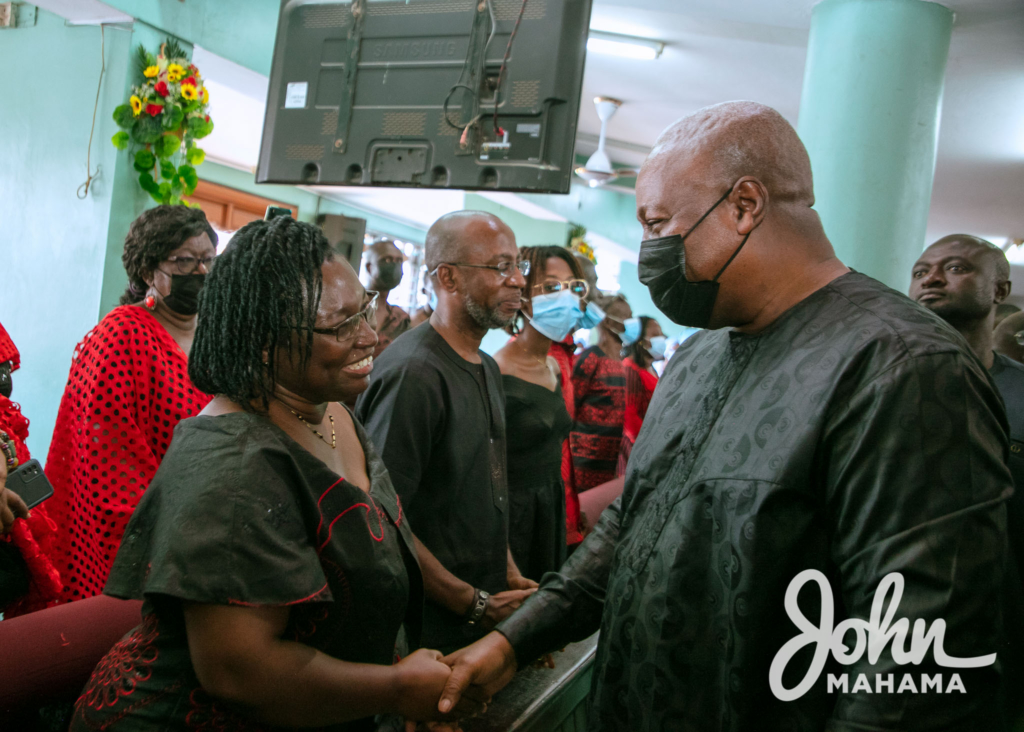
x,y
384,266
826,428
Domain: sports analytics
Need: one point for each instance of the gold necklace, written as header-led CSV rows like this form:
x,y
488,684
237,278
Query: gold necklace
x,y
334,440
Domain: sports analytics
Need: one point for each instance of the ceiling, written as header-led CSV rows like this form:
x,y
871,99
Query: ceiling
x,y
718,50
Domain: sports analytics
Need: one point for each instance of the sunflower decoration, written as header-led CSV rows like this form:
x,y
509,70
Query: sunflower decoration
x,y
578,242
165,115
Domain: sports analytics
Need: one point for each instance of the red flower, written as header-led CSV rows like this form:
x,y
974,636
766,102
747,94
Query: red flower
x,y
207,118
154,109
190,80
161,88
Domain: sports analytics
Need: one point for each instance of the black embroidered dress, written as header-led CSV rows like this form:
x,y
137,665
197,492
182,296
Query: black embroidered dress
x,y
241,514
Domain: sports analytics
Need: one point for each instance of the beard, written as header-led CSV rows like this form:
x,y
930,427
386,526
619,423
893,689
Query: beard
x,y
484,318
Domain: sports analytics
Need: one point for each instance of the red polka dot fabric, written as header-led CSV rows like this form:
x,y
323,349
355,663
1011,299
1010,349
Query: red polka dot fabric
x,y
127,389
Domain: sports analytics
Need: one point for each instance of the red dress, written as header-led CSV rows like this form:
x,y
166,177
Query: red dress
x,y
599,393
127,390
34,537
640,384
564,354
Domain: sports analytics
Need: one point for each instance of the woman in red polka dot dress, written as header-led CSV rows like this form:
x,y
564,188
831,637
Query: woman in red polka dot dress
x,y
127,390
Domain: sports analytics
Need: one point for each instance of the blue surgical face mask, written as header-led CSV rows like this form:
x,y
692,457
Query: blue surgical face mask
x,y
591,316
555,314
658,346
632,333
432,302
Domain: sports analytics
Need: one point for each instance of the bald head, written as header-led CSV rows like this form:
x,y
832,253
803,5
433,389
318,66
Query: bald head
x,y
1006,337
734,139
986,250
451,236
384,247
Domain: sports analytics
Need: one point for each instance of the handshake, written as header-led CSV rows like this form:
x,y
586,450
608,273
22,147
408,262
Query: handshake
x,y
436,691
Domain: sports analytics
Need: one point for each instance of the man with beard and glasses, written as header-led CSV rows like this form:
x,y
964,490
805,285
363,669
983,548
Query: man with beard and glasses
x,y
435,410
384,266
822,428
963,279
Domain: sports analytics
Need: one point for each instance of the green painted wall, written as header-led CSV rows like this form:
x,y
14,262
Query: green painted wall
x,y
240,30
528,231
128,200
53,243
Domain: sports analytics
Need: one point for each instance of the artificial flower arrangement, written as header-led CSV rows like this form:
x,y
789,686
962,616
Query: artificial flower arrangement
x,y
578,242
164,117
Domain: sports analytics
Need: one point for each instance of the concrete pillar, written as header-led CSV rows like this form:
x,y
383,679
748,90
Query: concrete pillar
x,y
869,116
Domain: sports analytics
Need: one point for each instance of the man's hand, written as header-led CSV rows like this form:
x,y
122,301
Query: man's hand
x,y
519,582
482,669
11,505
503,604
420,679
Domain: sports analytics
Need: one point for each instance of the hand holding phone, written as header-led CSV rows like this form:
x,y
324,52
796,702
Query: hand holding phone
x,y
11,504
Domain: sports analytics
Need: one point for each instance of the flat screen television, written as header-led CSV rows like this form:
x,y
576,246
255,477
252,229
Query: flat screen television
x,y
426,93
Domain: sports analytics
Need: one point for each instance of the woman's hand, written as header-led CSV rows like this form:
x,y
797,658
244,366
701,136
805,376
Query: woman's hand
x,y
11,505
419,680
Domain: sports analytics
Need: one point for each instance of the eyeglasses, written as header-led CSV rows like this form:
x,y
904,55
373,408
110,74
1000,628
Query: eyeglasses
x,y
188,265
347,329
576,287
502,268
1019,337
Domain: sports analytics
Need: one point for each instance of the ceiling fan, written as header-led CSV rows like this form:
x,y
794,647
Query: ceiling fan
x,y
598,170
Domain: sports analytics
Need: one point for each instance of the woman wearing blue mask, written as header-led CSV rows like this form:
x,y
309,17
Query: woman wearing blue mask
x,y
537,420
646,346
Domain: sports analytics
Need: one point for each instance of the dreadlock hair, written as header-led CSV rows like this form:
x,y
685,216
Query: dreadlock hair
x,y
152,237
636,350
538,257
265,287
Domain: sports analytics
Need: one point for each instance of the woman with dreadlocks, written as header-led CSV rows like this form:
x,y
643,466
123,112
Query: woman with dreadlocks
x,y
127,389
270,550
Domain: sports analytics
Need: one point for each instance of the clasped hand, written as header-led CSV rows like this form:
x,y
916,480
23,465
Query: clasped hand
x,y
472,675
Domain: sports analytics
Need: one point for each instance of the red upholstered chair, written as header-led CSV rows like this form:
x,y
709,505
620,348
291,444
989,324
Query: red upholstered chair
x,y
50,654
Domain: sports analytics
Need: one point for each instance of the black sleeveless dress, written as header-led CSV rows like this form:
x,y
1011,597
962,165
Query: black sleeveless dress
x,y
537,424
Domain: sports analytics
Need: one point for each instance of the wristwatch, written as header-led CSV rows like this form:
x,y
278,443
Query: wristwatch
x,y
478,607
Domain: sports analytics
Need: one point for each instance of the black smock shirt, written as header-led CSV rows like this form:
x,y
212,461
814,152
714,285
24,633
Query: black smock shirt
x,y
439,423
855,436
1009,378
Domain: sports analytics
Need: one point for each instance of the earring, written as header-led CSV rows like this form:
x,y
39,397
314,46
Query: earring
x,y
149,302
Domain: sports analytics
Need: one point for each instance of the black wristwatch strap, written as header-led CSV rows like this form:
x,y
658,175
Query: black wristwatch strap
x,y
478,607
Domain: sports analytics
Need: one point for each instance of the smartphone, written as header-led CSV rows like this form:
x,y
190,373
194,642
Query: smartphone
x,y
30,482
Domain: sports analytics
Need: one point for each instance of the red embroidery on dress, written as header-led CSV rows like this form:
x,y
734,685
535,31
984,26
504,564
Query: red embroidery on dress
x,y
398,522
320,500
209,714
126,665
309,598
369,526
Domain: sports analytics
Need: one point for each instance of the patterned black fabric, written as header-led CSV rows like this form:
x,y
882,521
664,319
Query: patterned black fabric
x,y
856,436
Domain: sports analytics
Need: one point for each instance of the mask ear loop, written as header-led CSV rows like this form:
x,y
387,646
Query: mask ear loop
x,y
701,219
742,243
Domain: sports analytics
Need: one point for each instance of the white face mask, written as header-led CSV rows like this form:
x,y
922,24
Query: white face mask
x,y
555,314
658,346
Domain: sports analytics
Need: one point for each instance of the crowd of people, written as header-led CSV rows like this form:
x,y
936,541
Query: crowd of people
x,y
337,513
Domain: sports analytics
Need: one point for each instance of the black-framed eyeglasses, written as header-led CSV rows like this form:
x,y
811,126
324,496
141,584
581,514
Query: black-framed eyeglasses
x,y
503,268
188,265
577,287
347,329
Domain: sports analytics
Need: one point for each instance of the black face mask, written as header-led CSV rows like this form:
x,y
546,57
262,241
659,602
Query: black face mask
x,y
662,268
389,275
184,297
6,385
